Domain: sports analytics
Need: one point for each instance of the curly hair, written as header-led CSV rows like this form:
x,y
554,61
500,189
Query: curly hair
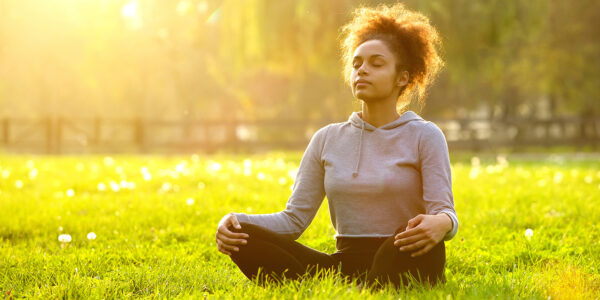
x,y
408,34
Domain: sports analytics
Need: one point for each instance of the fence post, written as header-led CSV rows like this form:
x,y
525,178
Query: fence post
x,y
58,135
48,124
234,135
96,137
139,134
208,143
5,131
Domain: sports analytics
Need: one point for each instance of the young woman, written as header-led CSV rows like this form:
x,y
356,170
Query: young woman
x,y
385,171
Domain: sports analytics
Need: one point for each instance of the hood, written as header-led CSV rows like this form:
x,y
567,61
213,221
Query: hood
x,y
358,122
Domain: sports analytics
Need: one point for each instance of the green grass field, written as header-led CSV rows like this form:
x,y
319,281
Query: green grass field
x,y
154,218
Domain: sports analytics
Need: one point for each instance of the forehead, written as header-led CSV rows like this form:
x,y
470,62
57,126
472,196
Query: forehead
x,y
371,48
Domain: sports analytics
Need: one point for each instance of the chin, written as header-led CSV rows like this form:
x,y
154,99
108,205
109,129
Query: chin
x,y
362,96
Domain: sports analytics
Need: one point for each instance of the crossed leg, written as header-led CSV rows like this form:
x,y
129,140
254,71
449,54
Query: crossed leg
x,y
271,257
399,268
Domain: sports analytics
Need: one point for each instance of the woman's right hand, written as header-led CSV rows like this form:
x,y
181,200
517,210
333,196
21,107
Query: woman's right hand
x,y
227,239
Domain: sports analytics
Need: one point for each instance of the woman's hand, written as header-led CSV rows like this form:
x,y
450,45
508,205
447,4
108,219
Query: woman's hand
x,y
423,233
227,239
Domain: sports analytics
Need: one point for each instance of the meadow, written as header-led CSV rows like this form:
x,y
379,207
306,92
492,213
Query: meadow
x,y
143,226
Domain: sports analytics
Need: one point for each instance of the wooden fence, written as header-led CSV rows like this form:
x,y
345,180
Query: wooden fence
x,y
101,135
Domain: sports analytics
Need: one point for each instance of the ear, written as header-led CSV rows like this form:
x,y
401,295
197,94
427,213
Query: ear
x,y
403,77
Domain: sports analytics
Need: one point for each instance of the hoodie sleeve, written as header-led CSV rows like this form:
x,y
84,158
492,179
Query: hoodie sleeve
x,y
436,175
307,195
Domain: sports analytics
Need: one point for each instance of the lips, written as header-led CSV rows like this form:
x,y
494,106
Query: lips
x,y
361,81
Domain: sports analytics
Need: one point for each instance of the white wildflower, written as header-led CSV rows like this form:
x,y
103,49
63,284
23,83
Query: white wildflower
x,y
247,163
124,184
474,172
214,167
109,161
64,238
166,186
282,180
33,173
114,186
147,176
181,167
558,176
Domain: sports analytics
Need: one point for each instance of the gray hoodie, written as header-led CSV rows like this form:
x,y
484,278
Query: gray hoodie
x,y
375,179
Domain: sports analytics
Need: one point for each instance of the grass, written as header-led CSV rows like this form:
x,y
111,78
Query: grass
x,y
155,237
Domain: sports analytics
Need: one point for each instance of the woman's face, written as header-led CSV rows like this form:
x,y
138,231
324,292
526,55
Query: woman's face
x,y
374,73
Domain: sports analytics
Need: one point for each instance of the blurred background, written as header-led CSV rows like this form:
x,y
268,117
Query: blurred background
x,y
249,75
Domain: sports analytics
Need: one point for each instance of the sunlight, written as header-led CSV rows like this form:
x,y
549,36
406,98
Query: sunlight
x,y
214,17
183,7
130,10
202,7
131,13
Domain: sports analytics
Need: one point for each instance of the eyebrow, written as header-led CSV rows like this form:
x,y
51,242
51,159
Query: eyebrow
x,y
374,55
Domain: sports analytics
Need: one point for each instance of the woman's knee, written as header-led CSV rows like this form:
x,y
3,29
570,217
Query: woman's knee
x,y
390,262
255,231
258,237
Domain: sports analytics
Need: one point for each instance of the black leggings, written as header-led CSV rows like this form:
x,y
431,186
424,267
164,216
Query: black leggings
x,y
374,261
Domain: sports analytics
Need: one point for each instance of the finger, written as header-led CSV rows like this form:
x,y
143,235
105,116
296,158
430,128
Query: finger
x,y
221,249
230,241
409,240
234,221
414,246
229,247
422,251
408,233
224,252
415,221
231,234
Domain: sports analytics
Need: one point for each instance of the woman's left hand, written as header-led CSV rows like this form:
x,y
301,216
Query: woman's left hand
x,y
423,233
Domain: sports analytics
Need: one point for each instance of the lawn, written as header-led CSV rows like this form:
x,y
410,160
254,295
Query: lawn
x,y
529,228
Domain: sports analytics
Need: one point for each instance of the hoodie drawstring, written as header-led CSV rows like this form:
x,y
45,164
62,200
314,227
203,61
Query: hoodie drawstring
x,y
355,173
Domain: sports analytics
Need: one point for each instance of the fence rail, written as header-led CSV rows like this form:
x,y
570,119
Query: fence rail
x,y
91,135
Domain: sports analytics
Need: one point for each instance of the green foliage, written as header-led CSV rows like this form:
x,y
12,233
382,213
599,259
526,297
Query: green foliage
x,y
265,58
152,240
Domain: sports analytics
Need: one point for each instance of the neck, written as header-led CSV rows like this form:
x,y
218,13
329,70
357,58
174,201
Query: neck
x,y
379,113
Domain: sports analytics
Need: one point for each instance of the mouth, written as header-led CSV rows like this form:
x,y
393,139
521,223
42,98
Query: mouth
x,y
361,82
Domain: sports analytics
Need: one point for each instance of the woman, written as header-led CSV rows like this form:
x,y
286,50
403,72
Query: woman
x,y
386,174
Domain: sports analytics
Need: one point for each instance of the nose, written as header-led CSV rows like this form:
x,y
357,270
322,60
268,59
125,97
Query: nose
x,y
362,70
